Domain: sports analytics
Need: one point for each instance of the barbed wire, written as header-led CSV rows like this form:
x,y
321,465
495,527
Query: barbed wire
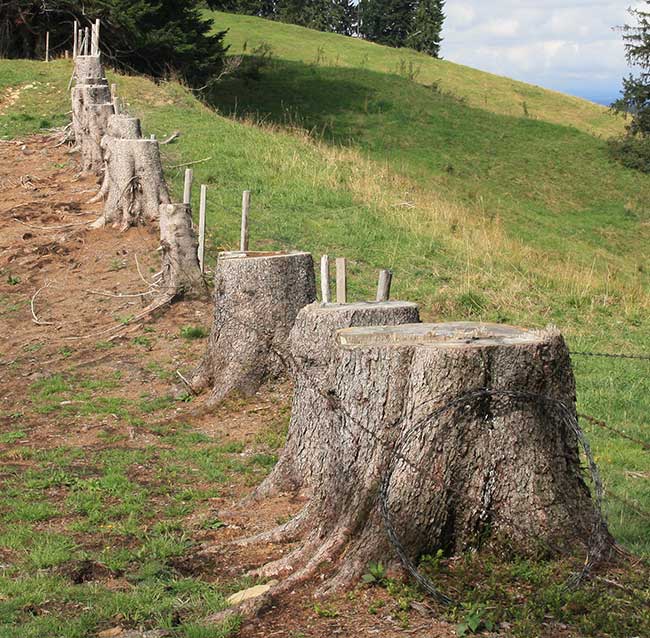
x,y
602,424
610,355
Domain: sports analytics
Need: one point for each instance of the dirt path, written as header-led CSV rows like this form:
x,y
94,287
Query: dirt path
x,y
65,292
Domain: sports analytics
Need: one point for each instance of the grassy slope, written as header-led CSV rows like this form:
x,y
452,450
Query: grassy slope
x,y
482,90
456,256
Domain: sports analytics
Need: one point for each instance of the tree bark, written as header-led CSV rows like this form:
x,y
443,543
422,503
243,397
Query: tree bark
x,y
257,297
88,69
496,469
313,357
119,127
181,274
135,186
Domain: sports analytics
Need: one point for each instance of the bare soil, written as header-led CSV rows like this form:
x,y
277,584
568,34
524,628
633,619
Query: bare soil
x,y
66,296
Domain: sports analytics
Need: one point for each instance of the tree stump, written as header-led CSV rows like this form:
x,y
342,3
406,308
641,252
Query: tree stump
x,y
257,297
120,127
181,274
84,97
88,69
447,468
313,358
135,186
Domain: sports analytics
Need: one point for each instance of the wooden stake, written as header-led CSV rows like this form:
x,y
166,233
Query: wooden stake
x,y
326,294
87,41
114,99
187,192
341,280
202,214
96,37
75,38
153,139
67,54
245,209
47,46
383,288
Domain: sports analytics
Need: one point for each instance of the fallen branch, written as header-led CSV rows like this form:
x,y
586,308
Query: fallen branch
x,y
207,159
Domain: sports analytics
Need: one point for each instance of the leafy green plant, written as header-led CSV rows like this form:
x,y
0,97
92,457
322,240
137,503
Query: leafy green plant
x,y
193,332
376,574
13,280
474,621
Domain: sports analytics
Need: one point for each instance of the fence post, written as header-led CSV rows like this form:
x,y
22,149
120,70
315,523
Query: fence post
x,y
75,38
187,192
87,41
245,209
96,37
383,288
47,46
202,214
341,280
326,294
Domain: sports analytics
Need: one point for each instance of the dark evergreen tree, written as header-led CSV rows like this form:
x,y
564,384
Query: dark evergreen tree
x,y
633,150
387,21
635,98
157,37
426,31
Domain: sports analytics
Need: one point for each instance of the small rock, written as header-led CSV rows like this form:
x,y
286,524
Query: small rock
x,y
252,592
109,633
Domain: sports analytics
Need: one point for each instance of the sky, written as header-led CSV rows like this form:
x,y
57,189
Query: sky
x,y
567,45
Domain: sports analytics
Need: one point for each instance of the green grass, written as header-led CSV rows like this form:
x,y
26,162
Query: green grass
x,y
479,89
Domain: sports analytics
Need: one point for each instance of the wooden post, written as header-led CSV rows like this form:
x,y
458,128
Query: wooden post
x,y
187,192
326,295
87,41
383,288
96,37
341,280
202,214
114,99
75,38
153,139
245,209
47,46
67,54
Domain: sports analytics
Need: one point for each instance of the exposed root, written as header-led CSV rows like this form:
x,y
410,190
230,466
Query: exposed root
x,y
287,533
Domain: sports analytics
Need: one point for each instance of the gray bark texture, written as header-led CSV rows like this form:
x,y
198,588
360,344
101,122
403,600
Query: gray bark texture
x,y
498,470
88,69
120,127
257,297
135,186
181,274
313,358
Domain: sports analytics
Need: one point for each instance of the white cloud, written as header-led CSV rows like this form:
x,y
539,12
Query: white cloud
x,y
569,45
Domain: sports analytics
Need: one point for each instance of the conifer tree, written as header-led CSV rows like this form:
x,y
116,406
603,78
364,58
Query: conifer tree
x,y
426,30
387,22
635,99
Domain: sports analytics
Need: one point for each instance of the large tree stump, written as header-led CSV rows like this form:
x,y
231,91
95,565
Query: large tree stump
x,y
120,127
313,358
88,69
497,467
257,297
181,274
135,187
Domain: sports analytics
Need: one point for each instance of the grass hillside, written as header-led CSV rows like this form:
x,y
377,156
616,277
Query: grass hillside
x,y
478,89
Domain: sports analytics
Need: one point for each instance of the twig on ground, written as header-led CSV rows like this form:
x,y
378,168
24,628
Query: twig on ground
x,y
174,136
35,318
50,227
187,383
103,293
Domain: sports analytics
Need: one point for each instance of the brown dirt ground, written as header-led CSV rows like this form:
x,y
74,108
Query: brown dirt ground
x,y
46,248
